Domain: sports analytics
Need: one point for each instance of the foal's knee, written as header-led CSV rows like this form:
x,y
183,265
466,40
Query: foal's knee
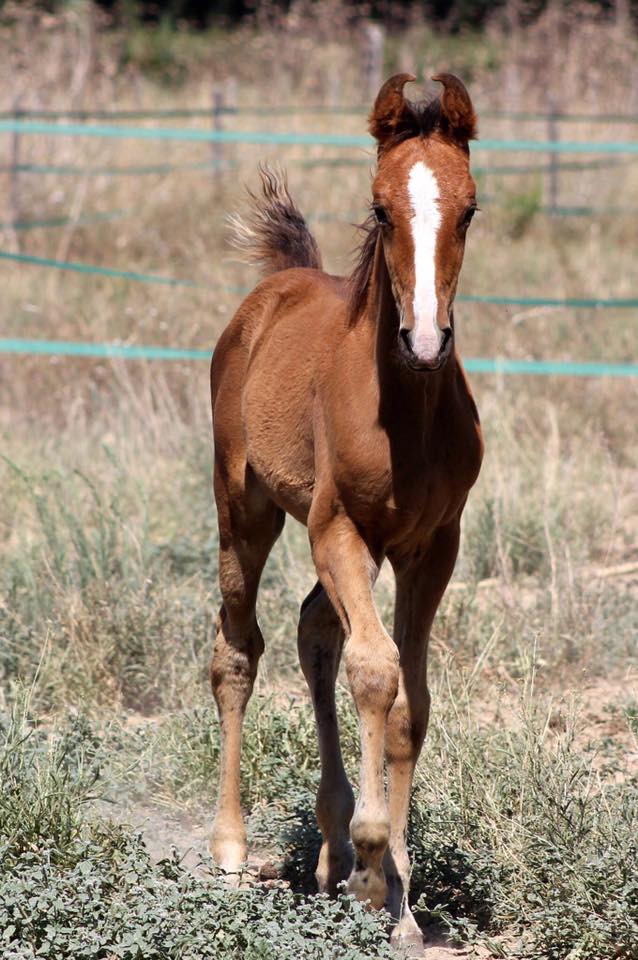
x,y
373,674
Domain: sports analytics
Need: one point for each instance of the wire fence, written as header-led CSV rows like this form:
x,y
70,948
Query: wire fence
x,y
39,122
296,110
575,303
289,138
489,365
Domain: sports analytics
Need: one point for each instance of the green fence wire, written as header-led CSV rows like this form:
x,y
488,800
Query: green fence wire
x,y
496,365
578,303
89,268
62,221
494,168
113,350
263,137
74,170
162,169
292,110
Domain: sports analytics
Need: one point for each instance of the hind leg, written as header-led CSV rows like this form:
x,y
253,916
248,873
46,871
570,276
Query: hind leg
x,y
249,524
320,643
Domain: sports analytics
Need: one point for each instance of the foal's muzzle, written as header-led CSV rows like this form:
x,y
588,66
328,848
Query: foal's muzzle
x,y
426,366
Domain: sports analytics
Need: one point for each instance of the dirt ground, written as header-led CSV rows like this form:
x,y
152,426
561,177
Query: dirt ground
x,y
599,702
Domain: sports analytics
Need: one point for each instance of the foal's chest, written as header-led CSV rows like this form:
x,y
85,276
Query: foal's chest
x,y
400,489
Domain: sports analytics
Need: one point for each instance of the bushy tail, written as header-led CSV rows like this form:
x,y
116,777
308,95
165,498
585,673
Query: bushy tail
x,y
274,234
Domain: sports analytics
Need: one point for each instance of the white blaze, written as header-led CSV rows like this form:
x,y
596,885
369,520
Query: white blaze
x,y
423,189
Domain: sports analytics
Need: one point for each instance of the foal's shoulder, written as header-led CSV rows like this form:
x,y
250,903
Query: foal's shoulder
x,y
304,282
283,298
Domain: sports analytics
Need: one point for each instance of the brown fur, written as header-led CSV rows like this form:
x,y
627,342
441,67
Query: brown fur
x,y
392,121
374,447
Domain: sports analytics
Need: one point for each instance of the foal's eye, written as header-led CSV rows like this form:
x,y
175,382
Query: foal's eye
x,y
381,215
466,217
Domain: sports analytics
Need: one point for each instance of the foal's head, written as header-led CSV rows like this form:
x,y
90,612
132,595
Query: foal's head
x,y
423,201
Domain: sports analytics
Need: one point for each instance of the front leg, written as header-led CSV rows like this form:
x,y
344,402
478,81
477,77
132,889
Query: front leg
x,y
421,582
347,571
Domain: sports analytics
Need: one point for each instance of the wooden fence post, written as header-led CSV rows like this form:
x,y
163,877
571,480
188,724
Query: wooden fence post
x,y
373,58
553,135
14,184
231,108
217,148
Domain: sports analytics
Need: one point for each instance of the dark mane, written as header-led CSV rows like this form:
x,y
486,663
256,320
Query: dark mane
x,y
359,279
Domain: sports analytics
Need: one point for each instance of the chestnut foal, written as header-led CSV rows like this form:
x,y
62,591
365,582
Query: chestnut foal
x,y
343,402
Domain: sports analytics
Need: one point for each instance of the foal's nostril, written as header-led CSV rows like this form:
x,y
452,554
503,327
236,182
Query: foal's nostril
x,y
447,336
405,336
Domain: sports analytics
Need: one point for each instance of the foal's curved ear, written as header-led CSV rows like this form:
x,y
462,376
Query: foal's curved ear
x,y
457,113
391,110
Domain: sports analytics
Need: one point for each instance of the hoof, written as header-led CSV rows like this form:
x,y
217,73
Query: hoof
x,y
228,849
368,884
407,935
370,840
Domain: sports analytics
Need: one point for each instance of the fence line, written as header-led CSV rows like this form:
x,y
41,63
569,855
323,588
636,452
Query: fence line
x,y
320,216
161,169
495,365
88,219
354,216
111,350
15,125
89,268
295,110
262,137
621,303
501,169
62,221
141,170
577,303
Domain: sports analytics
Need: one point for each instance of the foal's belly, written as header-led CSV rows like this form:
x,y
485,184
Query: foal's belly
x,y
288,480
